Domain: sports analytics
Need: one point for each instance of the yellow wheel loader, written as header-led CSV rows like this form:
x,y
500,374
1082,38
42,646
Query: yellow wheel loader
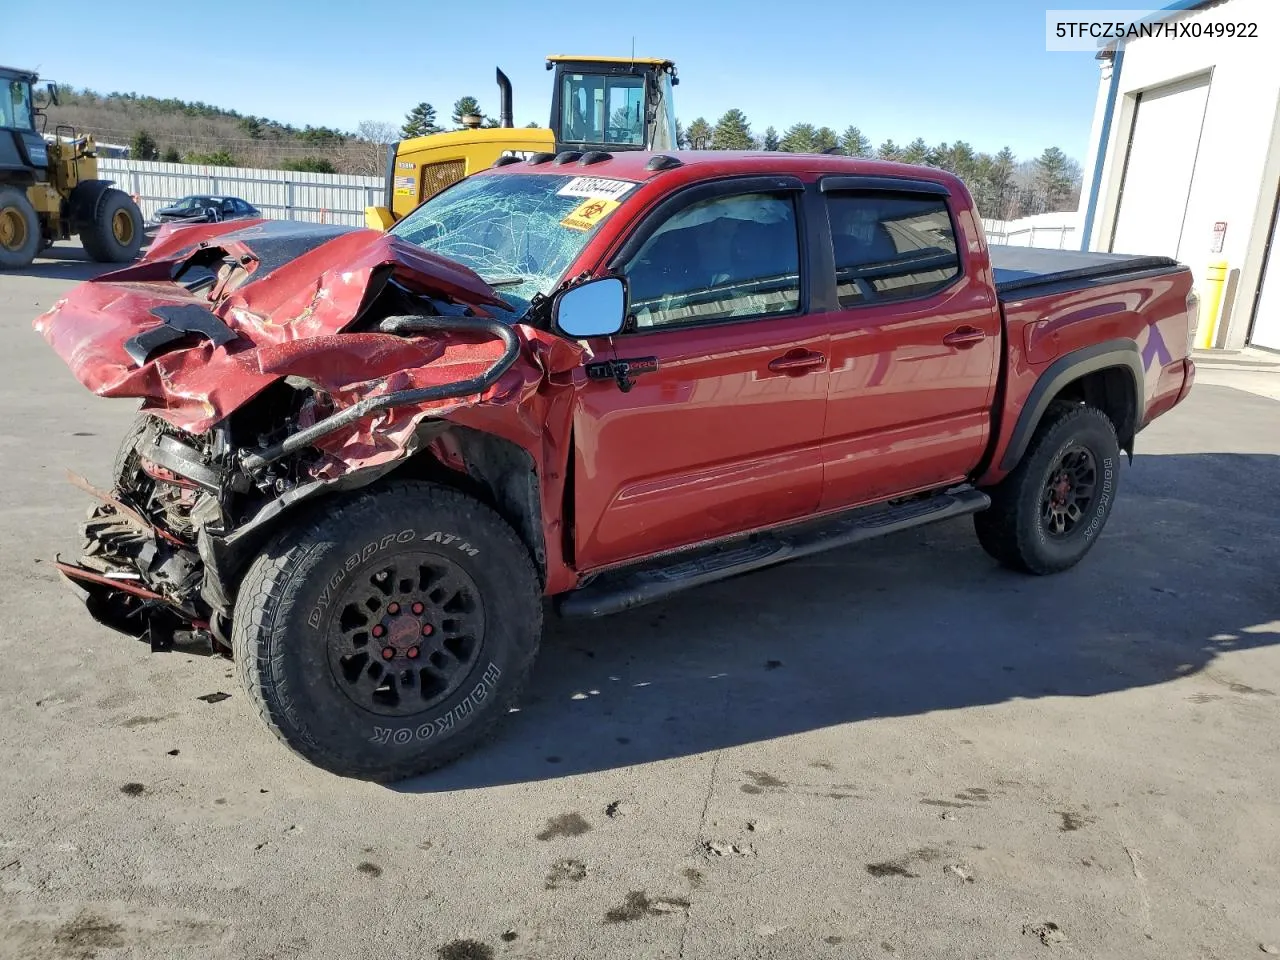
x,y
49,190
597,103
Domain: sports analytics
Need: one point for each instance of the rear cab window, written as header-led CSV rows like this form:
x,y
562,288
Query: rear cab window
x,y
891,246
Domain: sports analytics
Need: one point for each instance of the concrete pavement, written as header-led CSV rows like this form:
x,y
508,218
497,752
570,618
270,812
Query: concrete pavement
x,y
896,750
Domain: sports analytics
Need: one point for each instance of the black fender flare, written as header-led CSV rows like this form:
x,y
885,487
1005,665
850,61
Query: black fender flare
x,y
84,200
1121,353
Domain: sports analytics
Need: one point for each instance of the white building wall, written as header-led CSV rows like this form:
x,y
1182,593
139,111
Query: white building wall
x,y
1238,163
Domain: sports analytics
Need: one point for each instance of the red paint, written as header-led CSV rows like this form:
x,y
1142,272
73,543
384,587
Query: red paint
x,y
78,574
742,426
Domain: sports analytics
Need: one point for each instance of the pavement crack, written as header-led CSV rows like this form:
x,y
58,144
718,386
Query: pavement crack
x,y
699,839
1141,884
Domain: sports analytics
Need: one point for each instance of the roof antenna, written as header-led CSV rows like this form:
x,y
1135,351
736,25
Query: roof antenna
x,y
633,48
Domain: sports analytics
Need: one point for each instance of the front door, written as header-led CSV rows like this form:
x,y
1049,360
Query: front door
x,y
725,435
913,351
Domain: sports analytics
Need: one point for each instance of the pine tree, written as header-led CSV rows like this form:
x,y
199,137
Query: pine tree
x,y
466,106
1054,178
824,139
799,138
143,147
917,151
732,132
420,121
1002,189
854,143
770,139
699,135
889,151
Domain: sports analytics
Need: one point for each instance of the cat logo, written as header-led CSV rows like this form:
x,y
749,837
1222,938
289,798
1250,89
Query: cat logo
x,y
522,154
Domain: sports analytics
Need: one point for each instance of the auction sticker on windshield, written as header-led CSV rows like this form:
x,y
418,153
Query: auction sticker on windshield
x,y
588,213
595,188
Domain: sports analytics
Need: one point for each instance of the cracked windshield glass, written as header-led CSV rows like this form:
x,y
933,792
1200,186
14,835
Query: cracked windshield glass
x,y
519,232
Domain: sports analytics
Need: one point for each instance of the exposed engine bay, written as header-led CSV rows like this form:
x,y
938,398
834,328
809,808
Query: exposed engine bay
x,y
276,365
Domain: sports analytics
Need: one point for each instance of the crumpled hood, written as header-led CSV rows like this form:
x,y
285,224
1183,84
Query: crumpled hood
x,y
137,332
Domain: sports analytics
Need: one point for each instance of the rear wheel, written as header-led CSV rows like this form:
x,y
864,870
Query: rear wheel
x,y
114,235
389,633
1048,513
19,229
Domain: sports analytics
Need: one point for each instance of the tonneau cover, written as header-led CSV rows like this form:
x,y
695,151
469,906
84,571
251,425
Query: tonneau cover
x,y
1019,269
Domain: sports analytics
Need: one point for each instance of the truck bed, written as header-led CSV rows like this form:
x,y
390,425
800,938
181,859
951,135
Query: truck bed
x,y
1029,271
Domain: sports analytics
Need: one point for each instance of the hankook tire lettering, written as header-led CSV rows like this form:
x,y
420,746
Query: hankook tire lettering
x,y
385,735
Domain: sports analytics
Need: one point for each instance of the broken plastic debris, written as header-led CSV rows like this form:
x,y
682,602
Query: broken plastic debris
x,y
217,697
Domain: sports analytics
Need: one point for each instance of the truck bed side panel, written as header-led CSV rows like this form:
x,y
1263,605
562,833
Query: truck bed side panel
x,y
1146,309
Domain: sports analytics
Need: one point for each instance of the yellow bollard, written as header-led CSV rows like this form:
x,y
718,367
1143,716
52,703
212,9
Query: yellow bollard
x,y
1215,279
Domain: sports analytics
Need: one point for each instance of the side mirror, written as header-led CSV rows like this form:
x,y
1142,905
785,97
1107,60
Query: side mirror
x,y
52,88
598,308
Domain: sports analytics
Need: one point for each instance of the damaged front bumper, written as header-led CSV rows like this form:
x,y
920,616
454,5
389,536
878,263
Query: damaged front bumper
x,y
127,562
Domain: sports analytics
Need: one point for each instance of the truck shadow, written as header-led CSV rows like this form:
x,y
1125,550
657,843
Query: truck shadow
x,y
908,625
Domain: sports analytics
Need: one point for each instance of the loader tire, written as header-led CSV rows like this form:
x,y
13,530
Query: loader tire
x,y
389,631
1049,512
19,229
114,235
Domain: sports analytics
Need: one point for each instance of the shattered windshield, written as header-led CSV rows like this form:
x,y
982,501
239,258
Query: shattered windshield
x,y
518,231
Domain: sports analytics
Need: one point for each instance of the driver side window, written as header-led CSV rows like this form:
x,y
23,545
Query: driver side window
x,y
734,257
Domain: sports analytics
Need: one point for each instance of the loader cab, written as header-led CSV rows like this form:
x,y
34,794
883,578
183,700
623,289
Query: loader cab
x,y
23,152
612,103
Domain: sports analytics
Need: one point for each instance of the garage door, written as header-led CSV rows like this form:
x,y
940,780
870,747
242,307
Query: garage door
x,y
1266,311
1160,165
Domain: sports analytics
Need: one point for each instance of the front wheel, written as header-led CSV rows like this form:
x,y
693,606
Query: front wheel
x,y
19,229
114,235
389,633
1048,513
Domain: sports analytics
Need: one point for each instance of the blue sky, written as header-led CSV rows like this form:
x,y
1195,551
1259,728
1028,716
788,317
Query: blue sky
x,y
975,71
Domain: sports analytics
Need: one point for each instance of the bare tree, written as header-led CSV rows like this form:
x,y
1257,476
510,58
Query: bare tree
x,y
371,154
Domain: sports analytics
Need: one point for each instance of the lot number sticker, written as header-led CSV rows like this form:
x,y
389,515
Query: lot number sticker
x,y
595,188
588,213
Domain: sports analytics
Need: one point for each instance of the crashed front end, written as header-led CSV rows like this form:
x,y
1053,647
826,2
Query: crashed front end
x,y
276,363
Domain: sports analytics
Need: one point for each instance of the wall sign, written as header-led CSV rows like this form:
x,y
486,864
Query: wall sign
x,y
1219,234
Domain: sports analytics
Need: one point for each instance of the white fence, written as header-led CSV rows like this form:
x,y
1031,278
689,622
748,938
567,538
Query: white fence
x,y
279,194
338,198
1053,230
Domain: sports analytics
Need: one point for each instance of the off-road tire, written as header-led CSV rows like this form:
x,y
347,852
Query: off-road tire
x,y
290,606
25,242
1013,530
98,236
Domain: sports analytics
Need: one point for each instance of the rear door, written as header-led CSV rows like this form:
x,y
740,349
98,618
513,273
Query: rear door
x,y
725,435
914,347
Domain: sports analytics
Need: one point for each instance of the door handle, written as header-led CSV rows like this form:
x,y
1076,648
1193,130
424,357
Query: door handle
x,y
797,361
964,338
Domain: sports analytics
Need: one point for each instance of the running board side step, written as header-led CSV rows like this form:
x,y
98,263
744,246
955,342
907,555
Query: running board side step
x,y
615,592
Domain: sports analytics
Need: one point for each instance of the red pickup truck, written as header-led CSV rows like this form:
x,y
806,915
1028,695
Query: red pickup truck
x,y
364,459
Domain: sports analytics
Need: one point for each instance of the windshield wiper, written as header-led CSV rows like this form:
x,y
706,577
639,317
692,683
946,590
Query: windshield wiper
x,y
504,281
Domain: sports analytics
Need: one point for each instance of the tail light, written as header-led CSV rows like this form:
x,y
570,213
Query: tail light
x,y
1193,319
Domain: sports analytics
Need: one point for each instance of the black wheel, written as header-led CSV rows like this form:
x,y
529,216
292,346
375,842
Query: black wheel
x,y
115,233
1048,513
19,229
389,633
